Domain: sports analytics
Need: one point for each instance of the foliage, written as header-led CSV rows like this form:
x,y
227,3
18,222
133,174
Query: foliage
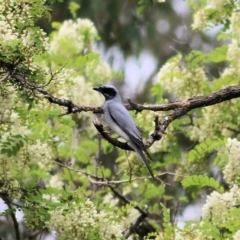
x,y
65,178
145,4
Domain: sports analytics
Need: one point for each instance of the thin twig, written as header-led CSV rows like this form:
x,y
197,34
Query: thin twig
x,y
102,181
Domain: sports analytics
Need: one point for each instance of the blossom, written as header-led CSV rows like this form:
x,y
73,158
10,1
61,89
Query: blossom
x,y
189,234
17,31
217,4
232,169
218,205
203,127
80,33
183,82
199,19
235,19
9,186
82,220
98,71
233,55
237,235
40,153
56,182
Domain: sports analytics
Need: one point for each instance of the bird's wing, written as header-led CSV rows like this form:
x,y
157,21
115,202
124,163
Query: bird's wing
x,y
124,120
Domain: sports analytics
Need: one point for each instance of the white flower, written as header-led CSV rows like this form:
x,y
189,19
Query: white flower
x,y
56,182
80,33
199,19
235,20
81,220
217,4
40,153
234,51
232,169
236,235
183,82
218,205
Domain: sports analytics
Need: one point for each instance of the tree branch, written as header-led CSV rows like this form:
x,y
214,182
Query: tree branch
x,y
223,95
14,219
228,93
179,109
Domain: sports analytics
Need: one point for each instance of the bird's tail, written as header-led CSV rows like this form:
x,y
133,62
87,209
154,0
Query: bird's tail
x,y
143,159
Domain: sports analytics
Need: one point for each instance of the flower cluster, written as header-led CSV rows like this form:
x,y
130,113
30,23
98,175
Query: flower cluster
x,y
203,127
82,221
98,72
237,235
76,83
7,97
34,215
80,33
199,19
182,81
17,31
232,169
9,186
218,206
211,12
40,153
234,54
190,234
217,4
235,19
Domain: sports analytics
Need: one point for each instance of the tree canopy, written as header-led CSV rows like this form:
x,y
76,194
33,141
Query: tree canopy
x,y
61,167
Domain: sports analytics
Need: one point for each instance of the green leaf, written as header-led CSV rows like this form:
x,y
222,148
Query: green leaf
x,y
4,150
141,10
54,112
73,7
9,152
141,2
8,212
167,221
201,181
67,120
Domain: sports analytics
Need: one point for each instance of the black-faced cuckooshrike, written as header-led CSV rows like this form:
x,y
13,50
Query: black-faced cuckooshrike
x,y
121,121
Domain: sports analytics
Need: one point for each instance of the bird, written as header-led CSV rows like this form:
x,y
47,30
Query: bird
x,y
121,122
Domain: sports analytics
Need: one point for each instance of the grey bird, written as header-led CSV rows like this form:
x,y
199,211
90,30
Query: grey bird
x,y
121,121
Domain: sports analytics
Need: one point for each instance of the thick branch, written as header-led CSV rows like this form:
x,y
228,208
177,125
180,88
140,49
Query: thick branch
x,y
179,108
228,93
223,95
72,108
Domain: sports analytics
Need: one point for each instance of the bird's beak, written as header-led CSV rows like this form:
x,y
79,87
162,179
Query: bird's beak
x,y
99,89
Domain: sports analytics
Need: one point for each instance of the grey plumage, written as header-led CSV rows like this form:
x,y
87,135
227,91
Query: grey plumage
x,y
121,122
